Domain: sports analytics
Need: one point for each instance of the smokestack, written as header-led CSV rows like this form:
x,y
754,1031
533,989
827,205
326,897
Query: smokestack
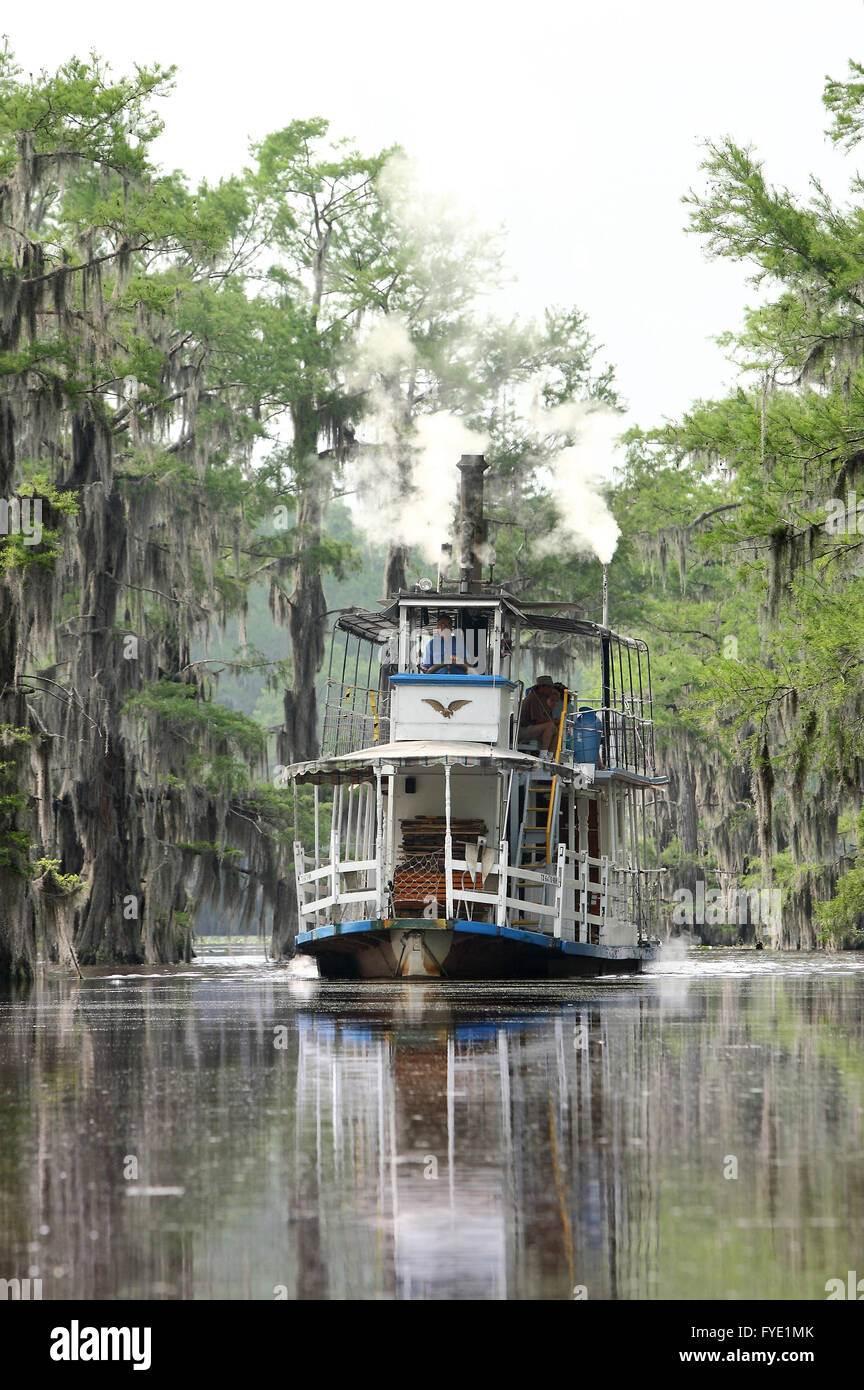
x,y
444,561
472,527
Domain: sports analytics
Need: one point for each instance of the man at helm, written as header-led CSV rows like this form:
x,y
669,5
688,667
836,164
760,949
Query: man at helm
x,y
446,651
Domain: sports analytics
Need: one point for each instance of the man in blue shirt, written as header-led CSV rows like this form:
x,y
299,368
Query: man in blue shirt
x,y
446,651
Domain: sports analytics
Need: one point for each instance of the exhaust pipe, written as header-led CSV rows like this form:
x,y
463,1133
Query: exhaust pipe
x,y
471,529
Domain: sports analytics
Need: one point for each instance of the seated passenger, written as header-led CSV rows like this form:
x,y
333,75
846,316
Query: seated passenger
x,y
557,706
446,652
537,716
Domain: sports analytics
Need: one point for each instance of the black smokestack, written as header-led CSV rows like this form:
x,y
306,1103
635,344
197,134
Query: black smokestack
x,y
472,526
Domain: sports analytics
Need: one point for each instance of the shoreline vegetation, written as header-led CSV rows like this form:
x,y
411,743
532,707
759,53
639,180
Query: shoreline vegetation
x,y
196,387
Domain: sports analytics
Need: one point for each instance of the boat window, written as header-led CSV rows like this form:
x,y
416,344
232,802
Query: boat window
x,y
443,640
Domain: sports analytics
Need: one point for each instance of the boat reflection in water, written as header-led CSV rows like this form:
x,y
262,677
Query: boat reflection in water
x,y
484,1151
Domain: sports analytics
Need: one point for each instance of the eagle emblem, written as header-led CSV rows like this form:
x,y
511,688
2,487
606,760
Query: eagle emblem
x,y
448,711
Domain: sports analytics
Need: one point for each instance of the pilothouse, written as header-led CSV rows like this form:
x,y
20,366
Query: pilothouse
x,y
473,819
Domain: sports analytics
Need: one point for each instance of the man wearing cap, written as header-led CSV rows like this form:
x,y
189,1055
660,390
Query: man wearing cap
x,y
536,717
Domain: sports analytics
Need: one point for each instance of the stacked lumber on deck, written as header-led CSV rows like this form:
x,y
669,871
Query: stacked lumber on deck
x,y
423,837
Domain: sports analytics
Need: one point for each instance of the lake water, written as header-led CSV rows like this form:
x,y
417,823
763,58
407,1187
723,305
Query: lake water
x,y
229,1129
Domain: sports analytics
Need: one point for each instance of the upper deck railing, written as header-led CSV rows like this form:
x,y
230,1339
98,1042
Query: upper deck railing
x,y
355,716
374,654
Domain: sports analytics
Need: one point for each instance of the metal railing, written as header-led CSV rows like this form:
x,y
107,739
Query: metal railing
x,y
354,717
624,734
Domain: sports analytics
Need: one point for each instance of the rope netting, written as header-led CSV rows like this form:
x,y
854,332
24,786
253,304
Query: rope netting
x,y
420,886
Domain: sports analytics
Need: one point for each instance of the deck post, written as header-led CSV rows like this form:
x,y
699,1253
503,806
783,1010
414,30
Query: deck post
x,y
335,820
368,821
317,842
379,844
348,820
559,889
503,876
390,866
448,845
299,868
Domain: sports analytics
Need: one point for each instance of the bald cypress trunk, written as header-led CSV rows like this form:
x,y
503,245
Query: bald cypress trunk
x,y
307,609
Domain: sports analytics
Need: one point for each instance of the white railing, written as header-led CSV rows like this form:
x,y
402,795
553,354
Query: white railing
x,y
333,875
576,906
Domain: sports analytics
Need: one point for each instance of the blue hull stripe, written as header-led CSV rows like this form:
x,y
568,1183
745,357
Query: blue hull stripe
x,y
528,938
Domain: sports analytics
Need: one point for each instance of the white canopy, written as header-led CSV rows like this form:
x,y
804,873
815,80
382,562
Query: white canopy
x,y
389,756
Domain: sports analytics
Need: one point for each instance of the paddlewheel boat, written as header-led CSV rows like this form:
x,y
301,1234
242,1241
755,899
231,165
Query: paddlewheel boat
x,y
445,845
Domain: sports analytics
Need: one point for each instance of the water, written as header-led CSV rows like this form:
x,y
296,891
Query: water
x,y
229,1130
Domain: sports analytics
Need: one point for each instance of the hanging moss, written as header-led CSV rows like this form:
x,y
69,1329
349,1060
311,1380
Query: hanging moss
x,y
124,764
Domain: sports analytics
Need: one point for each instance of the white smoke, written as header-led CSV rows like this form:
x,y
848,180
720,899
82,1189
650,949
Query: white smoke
x,y
424,212
405,479
405,476
577,474
386,349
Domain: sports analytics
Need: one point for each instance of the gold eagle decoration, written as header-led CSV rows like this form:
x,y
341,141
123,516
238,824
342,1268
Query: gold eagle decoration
x,y
448,711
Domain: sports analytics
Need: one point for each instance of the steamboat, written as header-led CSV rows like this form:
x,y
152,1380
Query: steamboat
x,y
473,819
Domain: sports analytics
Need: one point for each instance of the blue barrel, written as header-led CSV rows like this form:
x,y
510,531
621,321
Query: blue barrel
x,y
587,735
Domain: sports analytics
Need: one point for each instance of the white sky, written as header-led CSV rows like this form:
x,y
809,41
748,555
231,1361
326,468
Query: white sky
x,y
577,124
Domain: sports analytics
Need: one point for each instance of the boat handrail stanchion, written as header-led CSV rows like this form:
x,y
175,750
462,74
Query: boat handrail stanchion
x,y
379,845
317,841
448,845
559,889
299,869
516,696
335,815
505,815
503,877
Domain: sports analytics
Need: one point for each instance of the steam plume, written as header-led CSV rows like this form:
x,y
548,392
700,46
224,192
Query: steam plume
x,y
585,523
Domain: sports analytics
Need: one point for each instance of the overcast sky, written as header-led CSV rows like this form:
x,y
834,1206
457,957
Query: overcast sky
x,y
577,124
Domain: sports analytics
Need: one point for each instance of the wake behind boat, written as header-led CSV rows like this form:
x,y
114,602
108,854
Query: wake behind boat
x,y
479,828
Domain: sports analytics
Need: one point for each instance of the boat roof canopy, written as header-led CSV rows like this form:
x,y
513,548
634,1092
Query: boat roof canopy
x,y
538,617
363,764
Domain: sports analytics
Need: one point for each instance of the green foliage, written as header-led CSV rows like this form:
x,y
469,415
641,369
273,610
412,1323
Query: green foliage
x,y
17,549
215,745
14,842
842,918
180,707
54,882
222,854
82,113
845,101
